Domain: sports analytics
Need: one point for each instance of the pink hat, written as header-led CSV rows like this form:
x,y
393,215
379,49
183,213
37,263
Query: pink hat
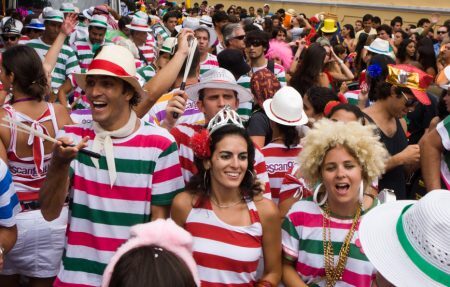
x,y
163,233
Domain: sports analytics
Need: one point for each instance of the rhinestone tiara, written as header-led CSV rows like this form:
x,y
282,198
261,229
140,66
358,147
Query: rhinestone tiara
x,y
226,116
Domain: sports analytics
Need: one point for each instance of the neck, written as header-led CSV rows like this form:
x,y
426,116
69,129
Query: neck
x,y
381,108
224,196
138,42
203,56
117,122
259,62
343,210
47,40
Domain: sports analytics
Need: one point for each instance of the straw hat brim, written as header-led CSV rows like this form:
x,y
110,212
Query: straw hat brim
x,y
81,79
380,244
243,94
302,121
141,29
376,51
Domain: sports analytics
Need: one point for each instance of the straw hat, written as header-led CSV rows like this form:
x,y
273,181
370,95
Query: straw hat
x,y
407,241
408,76
99,21
329,26
53,15
115,61
379,46
35,24
286,107
67,8
139,24
218,78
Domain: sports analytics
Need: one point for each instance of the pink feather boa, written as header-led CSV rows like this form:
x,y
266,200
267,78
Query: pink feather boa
x,y
282,51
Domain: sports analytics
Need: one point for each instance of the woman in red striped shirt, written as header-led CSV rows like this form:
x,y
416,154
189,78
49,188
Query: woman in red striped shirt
x,y
232,224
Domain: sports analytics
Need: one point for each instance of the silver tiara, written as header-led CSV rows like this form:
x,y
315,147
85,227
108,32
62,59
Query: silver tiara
x,y
226,116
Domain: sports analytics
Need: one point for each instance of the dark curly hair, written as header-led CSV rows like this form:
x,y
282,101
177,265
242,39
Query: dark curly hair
x,y
199,186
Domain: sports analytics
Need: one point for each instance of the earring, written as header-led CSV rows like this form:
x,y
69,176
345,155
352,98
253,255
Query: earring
x,y
361,194
316,193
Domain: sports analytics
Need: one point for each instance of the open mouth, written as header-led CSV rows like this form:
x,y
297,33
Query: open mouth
x,y
232,175
97,105
342,188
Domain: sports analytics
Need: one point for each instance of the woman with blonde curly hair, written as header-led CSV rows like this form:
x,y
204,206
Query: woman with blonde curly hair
x,y
341,160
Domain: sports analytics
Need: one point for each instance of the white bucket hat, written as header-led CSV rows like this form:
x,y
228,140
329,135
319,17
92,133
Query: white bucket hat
x,y
218,78
206,20
115,61
139,24
286,107
99,21
379,46
53,15
67,8
408,241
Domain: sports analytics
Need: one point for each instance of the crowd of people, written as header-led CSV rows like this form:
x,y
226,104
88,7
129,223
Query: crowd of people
x,y
204,146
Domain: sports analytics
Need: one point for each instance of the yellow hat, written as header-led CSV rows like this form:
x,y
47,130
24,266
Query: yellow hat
x,y
329,26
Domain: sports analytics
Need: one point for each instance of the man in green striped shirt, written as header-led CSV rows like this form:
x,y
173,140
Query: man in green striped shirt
x,y
67,62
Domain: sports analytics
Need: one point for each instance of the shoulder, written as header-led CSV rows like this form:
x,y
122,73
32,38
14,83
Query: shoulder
x,y
181,207
267,209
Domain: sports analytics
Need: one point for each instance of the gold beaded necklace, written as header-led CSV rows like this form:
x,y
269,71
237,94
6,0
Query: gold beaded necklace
x,y
334,273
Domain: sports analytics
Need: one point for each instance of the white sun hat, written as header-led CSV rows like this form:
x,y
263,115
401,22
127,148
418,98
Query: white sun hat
x,y
53,15
206,20
379,46
211,32
169,45
35,24
139,24
88,12
99,21
142,15
286,107
218,78
115,61
67,8
408,241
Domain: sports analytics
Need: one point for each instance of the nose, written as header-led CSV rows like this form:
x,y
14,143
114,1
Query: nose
x,y
235,162
340,172
221,102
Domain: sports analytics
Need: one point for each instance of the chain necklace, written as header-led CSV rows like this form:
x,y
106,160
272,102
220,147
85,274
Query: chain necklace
x,y
225,205
334,273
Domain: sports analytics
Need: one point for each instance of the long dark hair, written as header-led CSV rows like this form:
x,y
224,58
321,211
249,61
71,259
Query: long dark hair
x,y
309,69
359,63
351,30
29,75
200,183
401,52
372,80
290,134
427,57
161,268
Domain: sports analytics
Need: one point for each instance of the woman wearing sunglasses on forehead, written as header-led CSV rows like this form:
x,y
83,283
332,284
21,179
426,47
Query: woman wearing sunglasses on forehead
x,y
404,87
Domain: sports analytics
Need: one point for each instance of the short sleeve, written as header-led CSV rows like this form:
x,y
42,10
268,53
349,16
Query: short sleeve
x,y
443,128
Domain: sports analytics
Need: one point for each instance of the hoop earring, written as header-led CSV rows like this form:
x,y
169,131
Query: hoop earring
x,y
316,193
361,194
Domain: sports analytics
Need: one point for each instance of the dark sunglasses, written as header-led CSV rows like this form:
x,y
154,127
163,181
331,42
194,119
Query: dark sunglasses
x,y
254,43
7,38
242,37
441,32
409,102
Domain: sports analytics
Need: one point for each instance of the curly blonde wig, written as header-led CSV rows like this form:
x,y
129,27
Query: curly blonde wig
x,y
360,141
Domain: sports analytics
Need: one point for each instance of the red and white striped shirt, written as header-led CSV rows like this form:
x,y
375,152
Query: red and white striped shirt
x,y
279,160
183,134
226,255
210,63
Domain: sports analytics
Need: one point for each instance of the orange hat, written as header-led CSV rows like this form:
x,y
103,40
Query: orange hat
x,y
408,76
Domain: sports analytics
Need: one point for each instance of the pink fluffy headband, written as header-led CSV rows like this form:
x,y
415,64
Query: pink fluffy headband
x,y
163,233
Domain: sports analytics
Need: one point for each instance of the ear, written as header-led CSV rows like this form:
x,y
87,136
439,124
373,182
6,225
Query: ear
x,y
200,106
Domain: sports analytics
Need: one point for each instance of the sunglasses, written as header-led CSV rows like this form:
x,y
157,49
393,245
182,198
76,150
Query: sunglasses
x,y
441,32
8,38
242,37
409,102
254,43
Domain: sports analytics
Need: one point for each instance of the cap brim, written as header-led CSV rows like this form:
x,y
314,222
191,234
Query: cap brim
x,y
266,105
378,236
81,79
243,94
421,96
